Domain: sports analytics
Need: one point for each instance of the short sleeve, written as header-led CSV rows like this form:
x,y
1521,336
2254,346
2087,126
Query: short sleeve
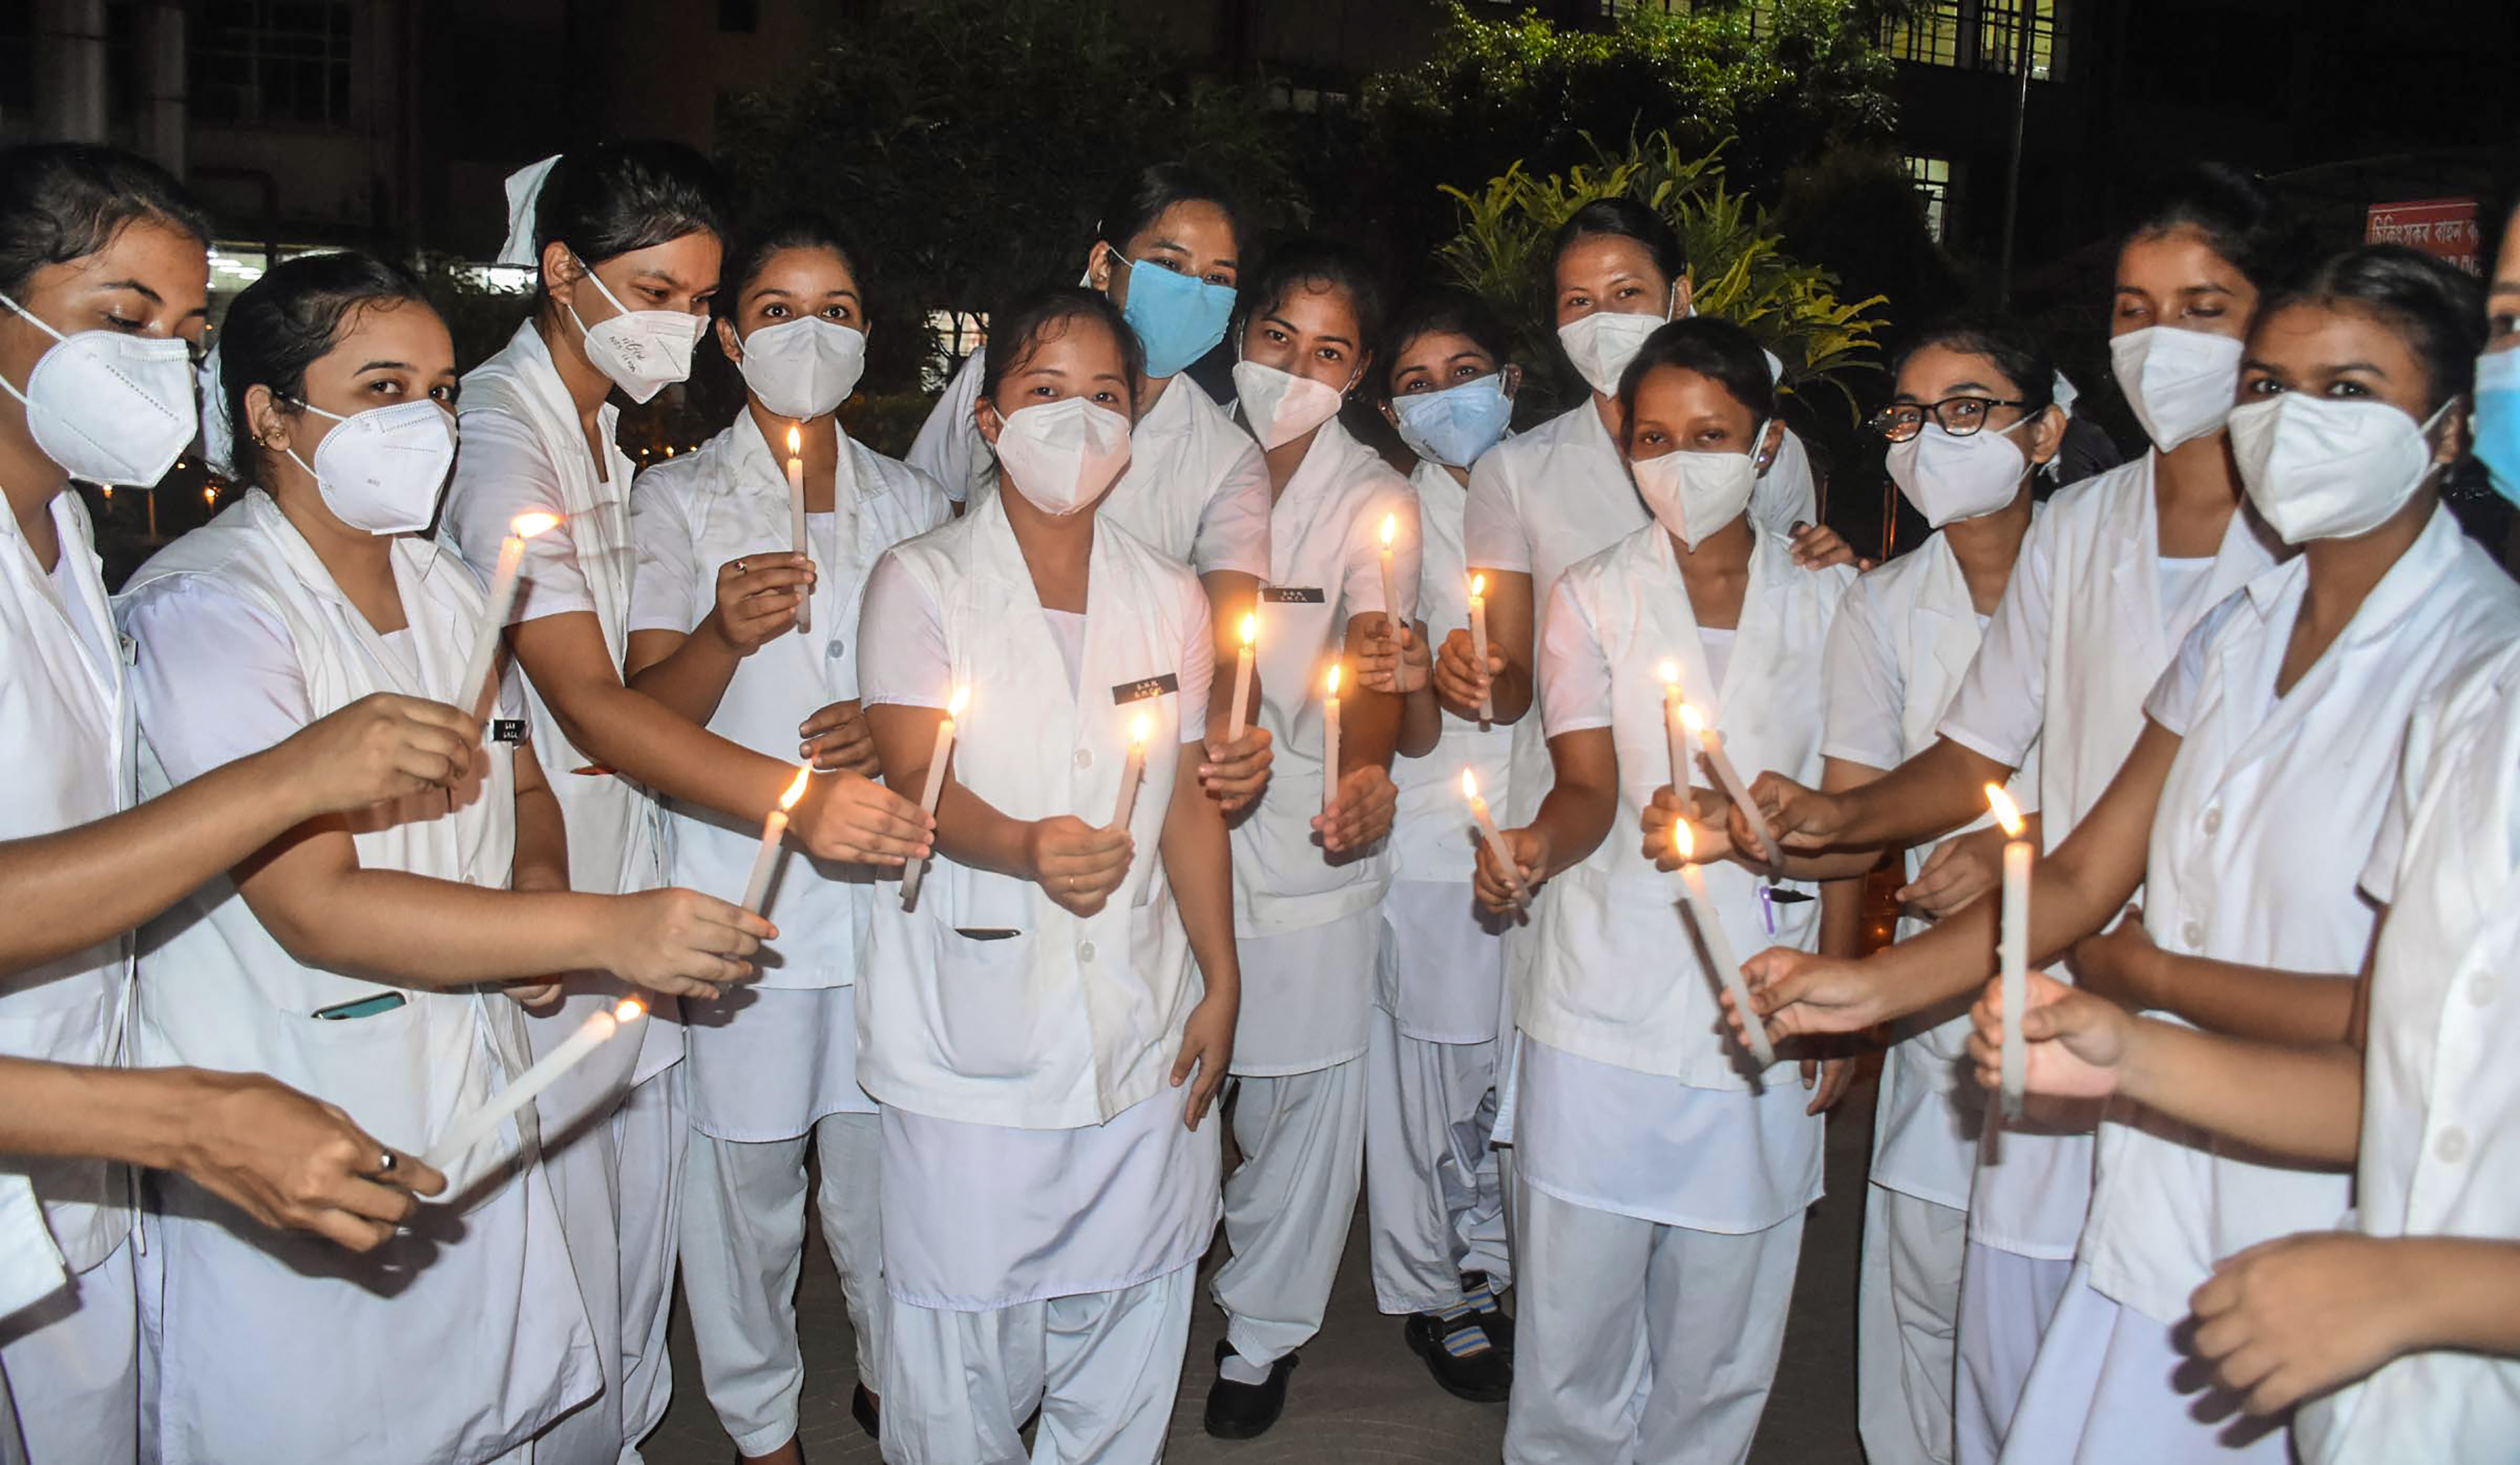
x,y
1492,532
664,591
908,665
1198,663
1360,585
1233,526
215,678
948,447
501,473
2003,701
2172,702
1784,495
1574,671
1866,690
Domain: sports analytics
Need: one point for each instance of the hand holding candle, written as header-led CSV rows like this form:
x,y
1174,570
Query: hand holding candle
x,y
1713,743
916,869
773,830
796,525
471,1128
1390,600
1236,720
1131,775
1719,950
503,599
1494,839
1479,645
2014,947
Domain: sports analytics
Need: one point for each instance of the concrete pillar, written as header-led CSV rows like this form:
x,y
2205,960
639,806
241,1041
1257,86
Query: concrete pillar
x,y
69,70
163,80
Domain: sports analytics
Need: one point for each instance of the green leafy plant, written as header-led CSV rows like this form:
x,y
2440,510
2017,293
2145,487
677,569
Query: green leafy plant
x,y
1741,271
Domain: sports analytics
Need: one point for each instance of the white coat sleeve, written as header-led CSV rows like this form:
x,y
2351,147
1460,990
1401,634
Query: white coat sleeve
x,y
1864,688
1492,532
908,665
502,473
665,591
1197,665
1785,494
2003,702
1233,526
948,447
216,677
1574,670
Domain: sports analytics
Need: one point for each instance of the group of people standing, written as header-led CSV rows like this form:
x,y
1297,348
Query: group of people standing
x,y
1152,742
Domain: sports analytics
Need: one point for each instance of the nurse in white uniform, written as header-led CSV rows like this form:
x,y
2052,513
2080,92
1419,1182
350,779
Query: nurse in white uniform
x,y
1661,1179
2246,812
2110,580
1309,866
715,634
1168,249
361,957
1047,1026
626,239
1434,1203
1971,423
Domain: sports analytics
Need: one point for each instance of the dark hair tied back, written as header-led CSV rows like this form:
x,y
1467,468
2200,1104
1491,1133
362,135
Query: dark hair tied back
x,y
1144,195
1045,315
1623,218
289,320
1716,350
2236,215
759,244
61,202
2437,308
1315,264
2012,346
607,201
1446,311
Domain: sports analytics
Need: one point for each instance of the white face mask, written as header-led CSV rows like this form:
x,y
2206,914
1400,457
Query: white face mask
x,y
803,368
2329,468
1603,343
1063,456
2178,382
1951,478
382,469
1694,494
1279,405
107,407
641,351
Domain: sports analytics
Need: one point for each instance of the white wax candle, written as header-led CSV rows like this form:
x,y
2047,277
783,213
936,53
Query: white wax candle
x,y
1494,839
917,868
1675,729
796,521
1236,720
2012,950
1480,644
503,599
1132,774
1390,599
773,831
1330,742
1725,774
1719,950
471,1128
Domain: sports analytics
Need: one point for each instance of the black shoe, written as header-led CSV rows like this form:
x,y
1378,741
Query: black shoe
x,y
1246,1411
1466,1361
868,1412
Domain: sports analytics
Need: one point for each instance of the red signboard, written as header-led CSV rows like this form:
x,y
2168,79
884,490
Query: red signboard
x,y
2442,227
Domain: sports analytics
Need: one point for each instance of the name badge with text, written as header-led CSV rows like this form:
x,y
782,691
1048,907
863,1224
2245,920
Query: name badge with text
x,y
1145,689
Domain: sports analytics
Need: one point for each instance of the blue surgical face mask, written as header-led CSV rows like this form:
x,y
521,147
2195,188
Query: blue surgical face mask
x,y
2496,419
1178,319
1456,424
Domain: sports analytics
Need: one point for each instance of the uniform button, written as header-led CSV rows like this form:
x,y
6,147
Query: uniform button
x,y
1084,759
2214,820
2193,934
835,649
2451,1146
2480,991
1085,951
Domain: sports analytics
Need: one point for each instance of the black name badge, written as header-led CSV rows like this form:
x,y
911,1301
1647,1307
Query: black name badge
x,y
1146,689
507,730
1292,595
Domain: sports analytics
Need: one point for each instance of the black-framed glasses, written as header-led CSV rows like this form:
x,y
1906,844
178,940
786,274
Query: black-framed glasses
x,y
1958,416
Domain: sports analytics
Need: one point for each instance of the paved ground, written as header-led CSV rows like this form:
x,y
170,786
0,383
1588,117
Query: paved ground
x,y
1359,1396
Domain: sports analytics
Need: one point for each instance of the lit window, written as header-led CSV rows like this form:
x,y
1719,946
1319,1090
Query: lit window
x,y
271,61
1930,37
1762,12
1932,178
1999,36
1983,36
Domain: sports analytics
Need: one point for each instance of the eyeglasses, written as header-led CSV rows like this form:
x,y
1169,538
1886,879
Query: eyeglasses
x,y
1958,416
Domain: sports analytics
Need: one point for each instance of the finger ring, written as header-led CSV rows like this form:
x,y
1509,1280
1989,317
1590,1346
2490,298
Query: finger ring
x,y
739,567
385,1162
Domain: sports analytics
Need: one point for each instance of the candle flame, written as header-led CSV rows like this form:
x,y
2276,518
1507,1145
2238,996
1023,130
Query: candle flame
x,y
629,1009
1390,529
1251,629
1690,718
797,790
1139,729
955,704
1469,785
1478,584
1684,844
527,526
795,442
2006,813
1669,671
1334,671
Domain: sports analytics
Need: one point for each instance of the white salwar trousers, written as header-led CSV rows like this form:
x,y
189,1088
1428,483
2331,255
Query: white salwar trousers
x,y
1288,1204
1434,1205
1907,1322
2007,1302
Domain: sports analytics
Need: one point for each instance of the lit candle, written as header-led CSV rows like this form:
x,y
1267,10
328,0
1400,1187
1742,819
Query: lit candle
x,y
1495,841
797,522
917,868
1719,950
1390,601
2014,948
1675,726
503,599
1329,743
1713,743
773,830
1242,679
1130,776
474,1127
1479,645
